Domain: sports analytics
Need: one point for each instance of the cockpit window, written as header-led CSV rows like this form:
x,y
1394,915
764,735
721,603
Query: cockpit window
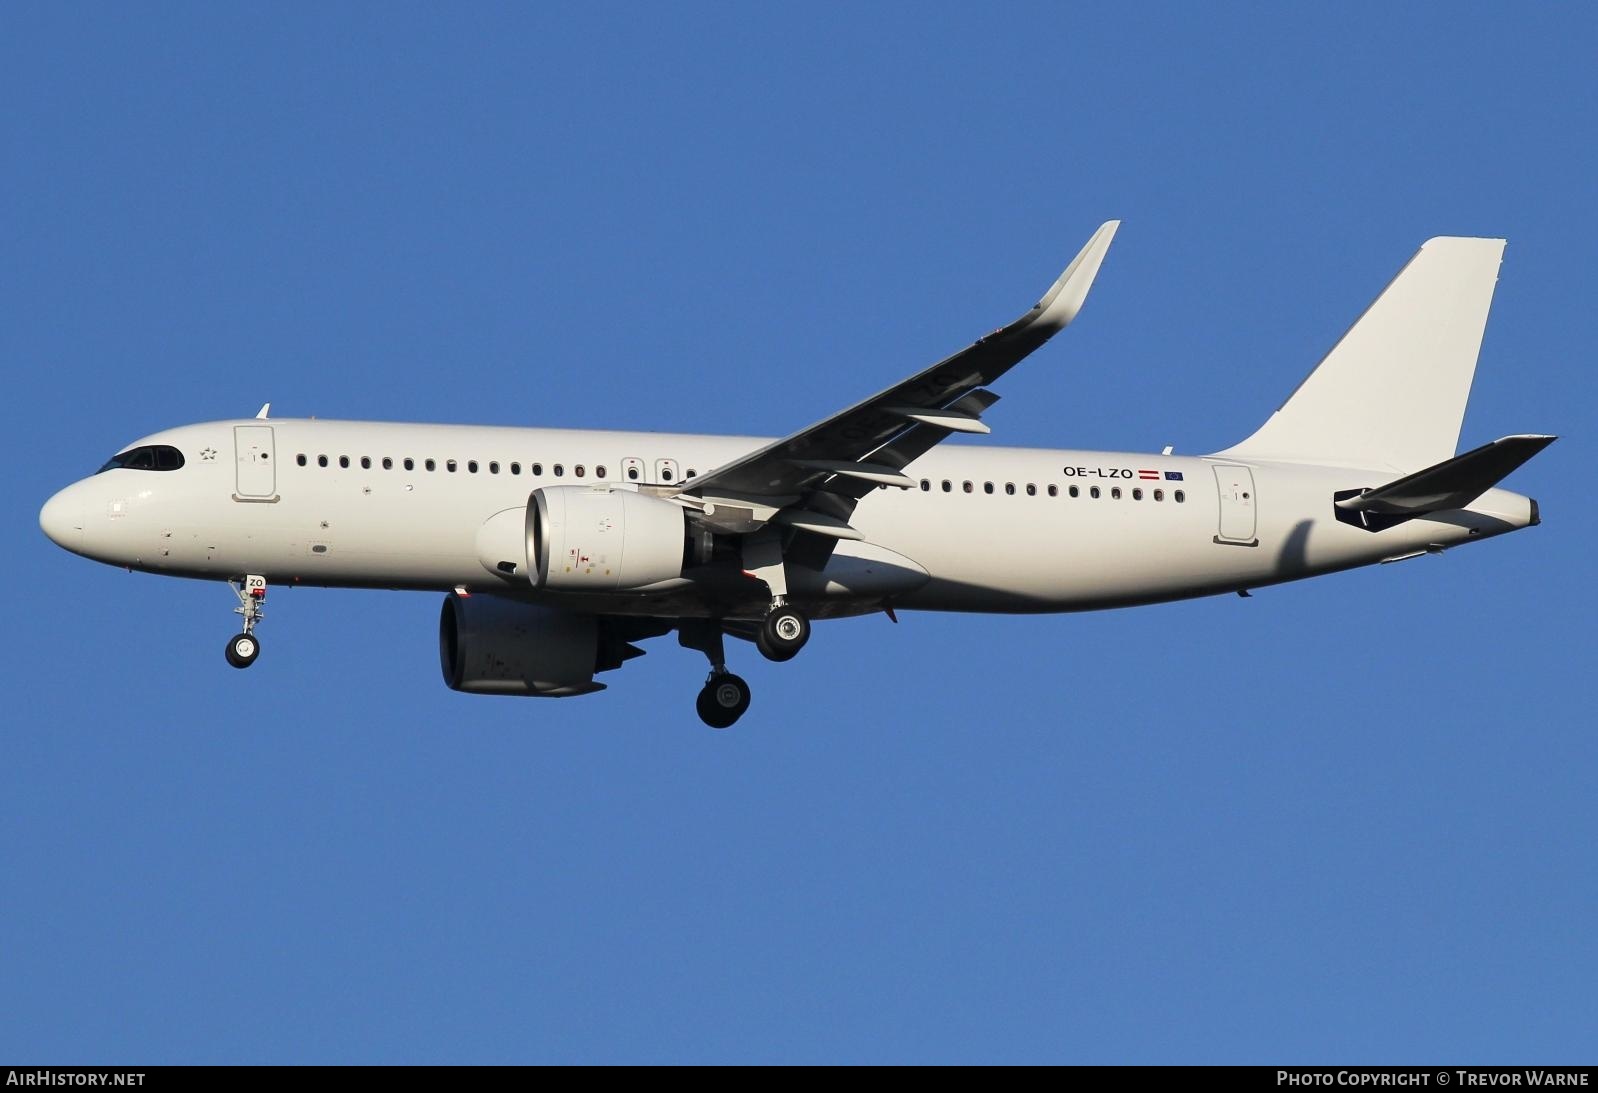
x,y
151,457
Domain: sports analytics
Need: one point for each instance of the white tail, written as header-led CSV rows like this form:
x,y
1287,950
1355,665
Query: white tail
x,y
1392,392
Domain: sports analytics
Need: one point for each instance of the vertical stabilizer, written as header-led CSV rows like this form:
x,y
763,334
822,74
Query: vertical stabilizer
x,y
1392,392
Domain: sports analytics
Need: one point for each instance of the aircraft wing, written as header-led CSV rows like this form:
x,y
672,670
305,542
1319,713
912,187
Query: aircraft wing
x,y
870,443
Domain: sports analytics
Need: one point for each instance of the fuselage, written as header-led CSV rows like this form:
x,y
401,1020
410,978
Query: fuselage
x,y
987,528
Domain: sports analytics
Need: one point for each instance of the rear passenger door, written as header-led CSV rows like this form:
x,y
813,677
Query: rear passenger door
x,y
1237,516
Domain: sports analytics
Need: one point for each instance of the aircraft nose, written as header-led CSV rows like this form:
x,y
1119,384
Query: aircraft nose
x,y
62,518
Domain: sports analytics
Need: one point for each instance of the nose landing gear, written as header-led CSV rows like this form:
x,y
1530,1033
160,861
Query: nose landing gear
x,y
244,647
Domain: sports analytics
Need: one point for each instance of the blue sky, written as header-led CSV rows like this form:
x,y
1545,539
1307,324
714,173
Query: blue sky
x,y
1348,820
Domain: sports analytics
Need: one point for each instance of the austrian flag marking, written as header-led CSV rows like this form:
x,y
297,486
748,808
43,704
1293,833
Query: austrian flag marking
x,y
1151,476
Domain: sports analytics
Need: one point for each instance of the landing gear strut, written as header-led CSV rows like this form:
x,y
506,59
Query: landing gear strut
x,y
244,647
724,697
783,633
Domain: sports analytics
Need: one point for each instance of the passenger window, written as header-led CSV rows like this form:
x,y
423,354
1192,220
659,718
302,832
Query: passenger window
x,y
366,462
410,464
537,469
578,470
1093,492
691,473
1159,495
966,486
449,465
665,474
1076,492
1137,493
471,466
926,485
300,459
1115,493
430,465
1054,491
987,487
1009,488
388,463
1031,490
1179,496
947,485
493,467
321,461
632,474
515,468
560,471
599,472
344,462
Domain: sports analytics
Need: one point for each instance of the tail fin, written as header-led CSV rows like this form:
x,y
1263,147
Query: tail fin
x,y
1392,392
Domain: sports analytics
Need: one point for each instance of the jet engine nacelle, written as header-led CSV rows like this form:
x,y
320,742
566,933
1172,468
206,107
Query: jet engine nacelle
x,y
488,645
587,539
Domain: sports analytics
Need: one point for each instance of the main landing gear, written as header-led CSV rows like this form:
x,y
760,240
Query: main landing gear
x,y
785,629
722,700
244,647
724,697
783,633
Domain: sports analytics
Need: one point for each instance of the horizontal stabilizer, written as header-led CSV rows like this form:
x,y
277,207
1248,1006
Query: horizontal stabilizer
x,y
1451,484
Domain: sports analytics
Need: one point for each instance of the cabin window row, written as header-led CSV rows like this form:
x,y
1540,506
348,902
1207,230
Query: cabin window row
x,y
1031,490
472,466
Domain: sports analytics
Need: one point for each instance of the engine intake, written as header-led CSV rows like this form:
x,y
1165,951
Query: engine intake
x,y
488,645
585,539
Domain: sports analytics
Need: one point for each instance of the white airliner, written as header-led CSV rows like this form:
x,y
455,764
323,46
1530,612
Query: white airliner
x,y
558,549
